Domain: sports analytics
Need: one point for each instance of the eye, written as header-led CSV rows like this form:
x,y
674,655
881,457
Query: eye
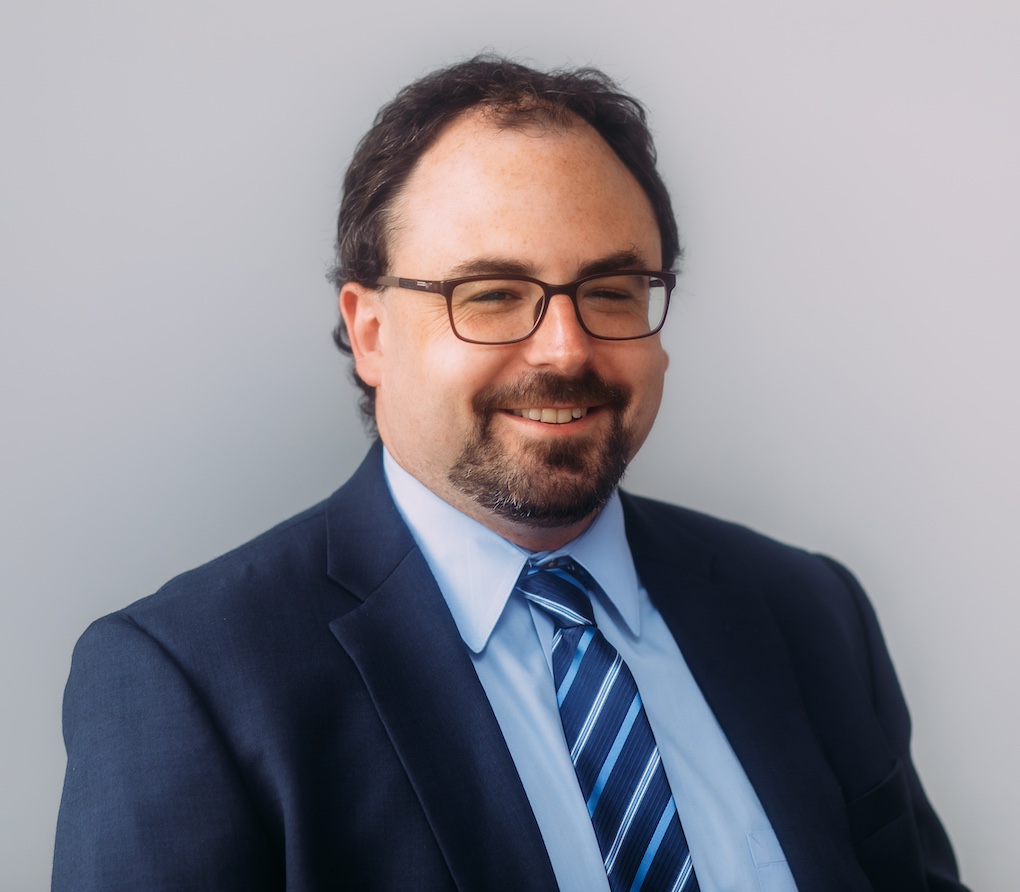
x,y
618,289
492,293
604,292
494,296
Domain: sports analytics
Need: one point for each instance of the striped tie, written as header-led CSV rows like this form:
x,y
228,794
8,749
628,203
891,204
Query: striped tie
x,y
611,744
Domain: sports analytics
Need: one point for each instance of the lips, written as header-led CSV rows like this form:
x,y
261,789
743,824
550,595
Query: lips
x,y
552,416
552,399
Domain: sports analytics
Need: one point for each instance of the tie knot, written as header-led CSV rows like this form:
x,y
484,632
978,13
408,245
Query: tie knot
x,y
562,588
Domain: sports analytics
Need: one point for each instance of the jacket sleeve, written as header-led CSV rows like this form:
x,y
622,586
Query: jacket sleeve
x,y
153,798
890,707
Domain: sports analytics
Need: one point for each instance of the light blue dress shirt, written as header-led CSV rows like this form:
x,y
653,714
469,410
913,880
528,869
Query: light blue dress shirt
x,y
733,846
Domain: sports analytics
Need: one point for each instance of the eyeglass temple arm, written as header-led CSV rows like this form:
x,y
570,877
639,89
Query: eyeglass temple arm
x,y
413,284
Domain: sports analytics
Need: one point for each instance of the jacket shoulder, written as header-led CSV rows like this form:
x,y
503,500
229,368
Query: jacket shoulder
x,y
815,600
278,565
715,547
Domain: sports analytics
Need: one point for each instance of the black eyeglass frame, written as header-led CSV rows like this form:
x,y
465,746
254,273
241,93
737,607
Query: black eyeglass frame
x,y
445,287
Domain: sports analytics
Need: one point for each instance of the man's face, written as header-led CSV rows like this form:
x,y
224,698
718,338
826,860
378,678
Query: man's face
x,y
550,203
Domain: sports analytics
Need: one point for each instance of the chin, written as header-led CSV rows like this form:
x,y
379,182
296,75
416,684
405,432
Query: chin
x,y
556,483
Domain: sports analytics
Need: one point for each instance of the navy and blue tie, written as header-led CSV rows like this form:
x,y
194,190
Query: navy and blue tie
x,y
610,741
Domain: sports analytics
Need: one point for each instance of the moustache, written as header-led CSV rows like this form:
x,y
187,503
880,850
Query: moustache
x,y
546,388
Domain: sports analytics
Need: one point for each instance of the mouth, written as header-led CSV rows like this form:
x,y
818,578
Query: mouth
x,y
550,415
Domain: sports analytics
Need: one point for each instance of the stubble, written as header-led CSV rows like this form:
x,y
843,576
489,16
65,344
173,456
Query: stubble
x,y
546,484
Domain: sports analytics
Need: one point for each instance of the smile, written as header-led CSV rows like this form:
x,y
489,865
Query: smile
x,y
552,416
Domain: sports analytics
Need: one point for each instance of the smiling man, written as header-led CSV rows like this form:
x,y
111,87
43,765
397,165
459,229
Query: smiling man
x,y
479,665
528,437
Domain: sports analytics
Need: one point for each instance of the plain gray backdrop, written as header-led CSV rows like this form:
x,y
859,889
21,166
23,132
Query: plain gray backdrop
x,y
844,362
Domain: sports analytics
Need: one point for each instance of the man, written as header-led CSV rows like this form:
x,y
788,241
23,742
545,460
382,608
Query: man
x,y
395,689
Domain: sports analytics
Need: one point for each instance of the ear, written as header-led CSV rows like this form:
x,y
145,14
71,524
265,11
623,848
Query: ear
x,y
360,308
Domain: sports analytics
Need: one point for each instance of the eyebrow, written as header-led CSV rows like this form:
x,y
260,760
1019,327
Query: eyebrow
x,y
629,259
497,266
505,266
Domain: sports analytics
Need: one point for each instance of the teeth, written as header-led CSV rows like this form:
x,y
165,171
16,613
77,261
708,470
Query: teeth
x,y
552,416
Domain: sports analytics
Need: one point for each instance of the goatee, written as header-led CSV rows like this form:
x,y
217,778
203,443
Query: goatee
x,y
552,484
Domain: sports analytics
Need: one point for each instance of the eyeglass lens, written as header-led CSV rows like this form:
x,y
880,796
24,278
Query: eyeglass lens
x,y
499,310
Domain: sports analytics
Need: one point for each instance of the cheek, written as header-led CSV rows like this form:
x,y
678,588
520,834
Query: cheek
x,y
465,370
640,365
646,380
408,337
410,329
436,377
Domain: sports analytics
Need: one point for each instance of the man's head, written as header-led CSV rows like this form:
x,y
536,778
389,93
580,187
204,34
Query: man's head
x,y
517,96
491,168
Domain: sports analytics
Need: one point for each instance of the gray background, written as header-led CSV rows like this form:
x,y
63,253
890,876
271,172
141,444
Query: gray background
x,y
844,369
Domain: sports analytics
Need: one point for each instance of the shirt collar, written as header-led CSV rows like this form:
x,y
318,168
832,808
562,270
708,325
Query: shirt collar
x,y
476,569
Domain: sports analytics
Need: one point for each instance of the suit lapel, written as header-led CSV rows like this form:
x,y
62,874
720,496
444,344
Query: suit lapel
x,y
418,672
737,655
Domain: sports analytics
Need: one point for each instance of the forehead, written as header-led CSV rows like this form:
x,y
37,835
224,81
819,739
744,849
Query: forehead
x,y
541,194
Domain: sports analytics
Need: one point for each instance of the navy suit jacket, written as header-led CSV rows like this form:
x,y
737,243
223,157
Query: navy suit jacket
x,y
302,713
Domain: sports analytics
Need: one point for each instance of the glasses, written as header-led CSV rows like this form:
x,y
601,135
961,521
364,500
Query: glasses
x,y
617,306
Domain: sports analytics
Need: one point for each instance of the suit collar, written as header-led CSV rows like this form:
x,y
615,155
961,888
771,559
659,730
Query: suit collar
x,y
476,568
365,536
419,675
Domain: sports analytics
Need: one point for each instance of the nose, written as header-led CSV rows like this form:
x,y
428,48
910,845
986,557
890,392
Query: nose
x,y
560,343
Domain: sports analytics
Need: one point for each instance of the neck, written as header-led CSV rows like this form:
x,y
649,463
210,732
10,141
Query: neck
x,y
527,536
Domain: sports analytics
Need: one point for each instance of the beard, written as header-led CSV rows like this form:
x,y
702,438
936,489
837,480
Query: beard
x,y
551,484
